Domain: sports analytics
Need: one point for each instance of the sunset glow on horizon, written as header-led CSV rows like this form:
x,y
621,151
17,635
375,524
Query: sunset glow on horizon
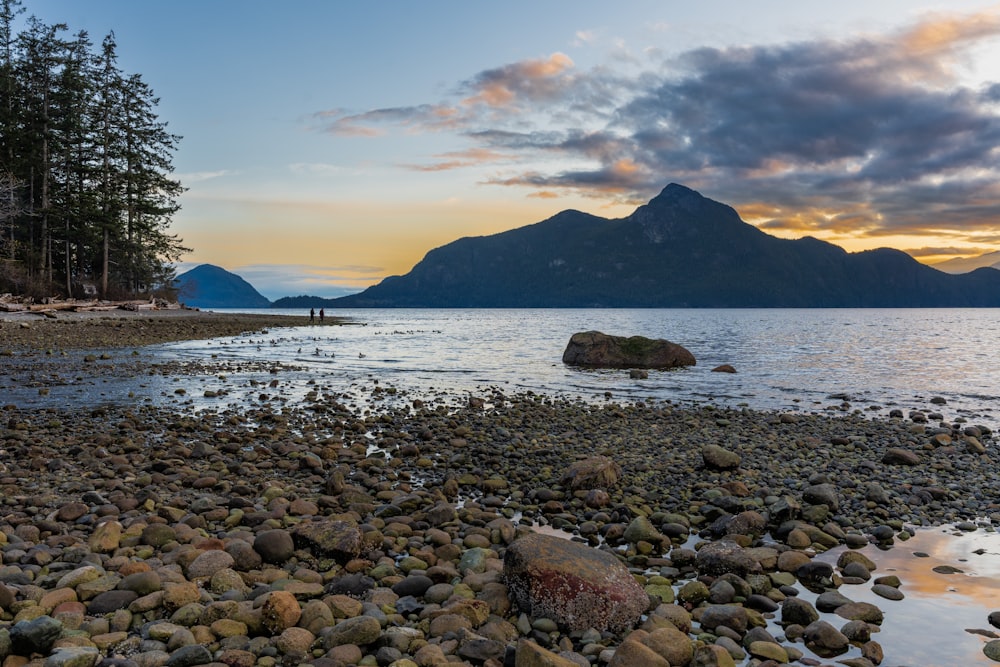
x,y
326,146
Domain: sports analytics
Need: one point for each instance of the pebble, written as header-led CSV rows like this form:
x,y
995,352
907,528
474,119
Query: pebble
x,y
277,535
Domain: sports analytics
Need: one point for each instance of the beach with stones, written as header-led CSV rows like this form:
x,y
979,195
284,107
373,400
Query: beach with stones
x,y
321,534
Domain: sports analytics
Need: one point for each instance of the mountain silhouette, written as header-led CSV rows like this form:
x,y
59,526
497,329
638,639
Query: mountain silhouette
x,y
679,250
210,286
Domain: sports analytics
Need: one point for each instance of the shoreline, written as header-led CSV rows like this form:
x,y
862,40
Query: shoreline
x,y
68,330
432,483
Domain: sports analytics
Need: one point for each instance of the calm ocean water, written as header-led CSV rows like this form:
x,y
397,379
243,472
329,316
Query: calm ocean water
x,y
802,360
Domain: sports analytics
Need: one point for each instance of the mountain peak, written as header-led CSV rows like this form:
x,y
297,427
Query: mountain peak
x,y
679,211
679,250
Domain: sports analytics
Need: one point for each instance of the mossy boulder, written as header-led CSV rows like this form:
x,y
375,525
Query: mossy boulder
x,y
594,349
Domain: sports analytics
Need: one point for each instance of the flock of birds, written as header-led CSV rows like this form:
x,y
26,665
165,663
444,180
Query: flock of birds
x,y
274,342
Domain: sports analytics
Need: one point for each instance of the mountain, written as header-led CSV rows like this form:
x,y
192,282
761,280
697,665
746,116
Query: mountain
x,y
679,250
966,264
209,286
302,301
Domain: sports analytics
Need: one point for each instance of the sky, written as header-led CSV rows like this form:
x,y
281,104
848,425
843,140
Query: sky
x,y
329,144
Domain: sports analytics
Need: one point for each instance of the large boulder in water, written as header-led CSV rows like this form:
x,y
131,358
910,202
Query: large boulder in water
x,y
598,350
575,585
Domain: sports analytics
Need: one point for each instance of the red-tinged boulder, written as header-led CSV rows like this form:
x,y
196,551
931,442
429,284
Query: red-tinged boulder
x,y
598,350
573,584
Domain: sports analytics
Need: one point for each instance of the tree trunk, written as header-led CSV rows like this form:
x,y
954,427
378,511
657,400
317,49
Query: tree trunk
x,y
106,264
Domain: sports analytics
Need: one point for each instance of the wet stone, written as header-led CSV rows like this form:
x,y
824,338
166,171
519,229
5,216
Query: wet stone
x,y
110,601
189,656
887,592
35,636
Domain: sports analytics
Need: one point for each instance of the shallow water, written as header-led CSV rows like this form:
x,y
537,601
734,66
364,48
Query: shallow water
x,y
803,360
930,627
800,360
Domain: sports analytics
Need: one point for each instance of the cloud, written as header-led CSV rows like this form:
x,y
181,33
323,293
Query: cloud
x,y
525,82
369,123
200,176
314,168
878,133
953,251
584,37
460,159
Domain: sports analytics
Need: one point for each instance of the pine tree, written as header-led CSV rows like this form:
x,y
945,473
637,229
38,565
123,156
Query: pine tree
x,y
150,194
85,163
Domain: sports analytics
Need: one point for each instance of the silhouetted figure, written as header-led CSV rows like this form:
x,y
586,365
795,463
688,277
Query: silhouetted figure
x,y
312,315
321,316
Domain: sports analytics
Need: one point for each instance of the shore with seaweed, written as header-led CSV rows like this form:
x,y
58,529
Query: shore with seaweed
x,y
149,535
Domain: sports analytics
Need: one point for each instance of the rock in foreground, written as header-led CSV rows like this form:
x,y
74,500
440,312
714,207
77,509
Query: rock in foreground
x,y
575,585
598,350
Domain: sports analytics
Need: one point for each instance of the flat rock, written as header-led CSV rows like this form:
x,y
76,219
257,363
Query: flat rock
x,y
725,557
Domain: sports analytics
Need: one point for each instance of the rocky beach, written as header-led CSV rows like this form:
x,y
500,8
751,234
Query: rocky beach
x,y
424,532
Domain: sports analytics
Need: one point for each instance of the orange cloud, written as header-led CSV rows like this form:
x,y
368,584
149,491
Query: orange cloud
x,y
459,160
944,32
504,86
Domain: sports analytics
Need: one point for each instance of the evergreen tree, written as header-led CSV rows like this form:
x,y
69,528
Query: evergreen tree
x,y
85,163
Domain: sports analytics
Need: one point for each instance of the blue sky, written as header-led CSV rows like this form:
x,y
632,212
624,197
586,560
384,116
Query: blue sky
x,y
329,144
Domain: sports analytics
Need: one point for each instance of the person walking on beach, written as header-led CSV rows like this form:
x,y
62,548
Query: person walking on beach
x,y
312,315
321,316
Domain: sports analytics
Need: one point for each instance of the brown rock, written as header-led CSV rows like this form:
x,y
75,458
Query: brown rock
x,y
900,456
176,595
597,350
340,540
718,458
280,611
670,643
633,652
530,654
106,537
575,585
596,472
71,511
712,655
208,563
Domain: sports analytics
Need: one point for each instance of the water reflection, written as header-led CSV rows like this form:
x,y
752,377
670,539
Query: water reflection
x,y
931,626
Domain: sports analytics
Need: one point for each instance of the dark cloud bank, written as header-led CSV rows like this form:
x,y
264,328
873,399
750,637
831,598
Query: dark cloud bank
x,y
876,135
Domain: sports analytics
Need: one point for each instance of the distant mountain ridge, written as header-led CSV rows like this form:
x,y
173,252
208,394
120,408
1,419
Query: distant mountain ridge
x,y
679,250
966,264
303,301
210,286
